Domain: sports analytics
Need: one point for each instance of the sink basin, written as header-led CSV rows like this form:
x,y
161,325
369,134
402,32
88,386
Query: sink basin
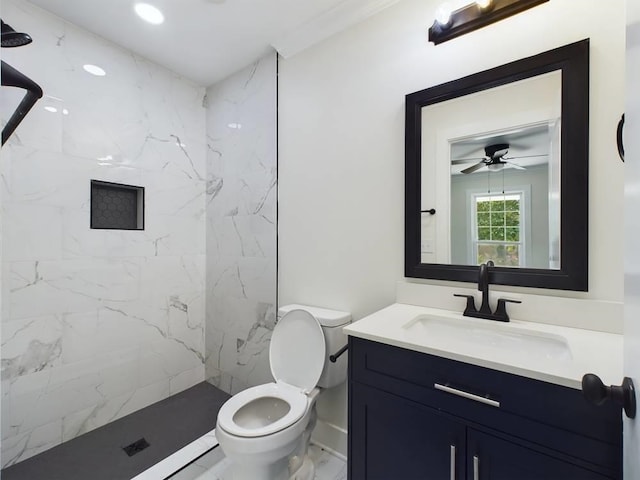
x,y
466,334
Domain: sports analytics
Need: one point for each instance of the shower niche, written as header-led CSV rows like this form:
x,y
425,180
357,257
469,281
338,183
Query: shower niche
x,y
115,206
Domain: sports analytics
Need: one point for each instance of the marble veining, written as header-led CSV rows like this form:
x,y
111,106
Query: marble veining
x,y
241,231
97,324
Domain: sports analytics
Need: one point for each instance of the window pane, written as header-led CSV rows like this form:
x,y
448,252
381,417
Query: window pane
x,y
512,205
483,219
484,234
497,219
502,255
512,219
513,234
497,233
482,206
485,253
497,205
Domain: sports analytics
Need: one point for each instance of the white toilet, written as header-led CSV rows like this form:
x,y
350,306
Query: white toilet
x,y
265,430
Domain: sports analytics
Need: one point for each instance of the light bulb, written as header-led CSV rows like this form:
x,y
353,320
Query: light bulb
x,y
443,14
484,4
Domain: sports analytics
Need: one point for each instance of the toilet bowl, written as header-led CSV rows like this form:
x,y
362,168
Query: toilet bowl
x,y
265,430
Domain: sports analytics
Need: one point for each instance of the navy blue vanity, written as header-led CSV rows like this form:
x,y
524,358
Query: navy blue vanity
x,y
414,415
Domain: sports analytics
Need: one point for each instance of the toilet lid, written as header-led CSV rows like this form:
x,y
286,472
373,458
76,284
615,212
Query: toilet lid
x,y
297,351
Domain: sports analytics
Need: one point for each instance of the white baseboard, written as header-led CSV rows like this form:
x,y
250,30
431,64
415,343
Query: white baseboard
x,y
331,437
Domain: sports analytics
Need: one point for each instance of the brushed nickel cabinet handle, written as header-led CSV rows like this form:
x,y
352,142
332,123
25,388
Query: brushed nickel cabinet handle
x,y
470,396
476,467
452,467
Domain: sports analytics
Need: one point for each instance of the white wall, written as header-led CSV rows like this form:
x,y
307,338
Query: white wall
x,y
241,231
341,147
96,323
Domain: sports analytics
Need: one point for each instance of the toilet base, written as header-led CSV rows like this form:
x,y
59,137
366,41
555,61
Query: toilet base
x,y
273,471
307,470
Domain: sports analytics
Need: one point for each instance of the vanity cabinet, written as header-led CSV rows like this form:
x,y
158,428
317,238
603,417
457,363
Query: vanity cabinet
x,y
419,416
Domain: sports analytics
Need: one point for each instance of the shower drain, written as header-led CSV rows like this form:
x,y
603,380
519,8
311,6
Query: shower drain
x,y
136,447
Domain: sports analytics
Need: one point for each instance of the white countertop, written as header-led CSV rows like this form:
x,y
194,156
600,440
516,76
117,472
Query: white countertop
x,y
590,351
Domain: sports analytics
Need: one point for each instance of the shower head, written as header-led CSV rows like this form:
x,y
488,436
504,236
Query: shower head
x,y
13,78
11,38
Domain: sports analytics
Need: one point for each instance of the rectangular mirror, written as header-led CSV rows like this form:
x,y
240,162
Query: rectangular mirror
x,y
497,169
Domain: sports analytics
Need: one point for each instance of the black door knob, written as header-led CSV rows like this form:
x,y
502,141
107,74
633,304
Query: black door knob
x,y
619,137
597,393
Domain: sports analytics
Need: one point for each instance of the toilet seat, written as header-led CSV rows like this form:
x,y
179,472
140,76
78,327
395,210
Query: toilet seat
x,y
296,400
296,354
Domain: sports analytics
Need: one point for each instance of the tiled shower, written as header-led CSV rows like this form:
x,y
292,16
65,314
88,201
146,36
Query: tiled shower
x,y
99,323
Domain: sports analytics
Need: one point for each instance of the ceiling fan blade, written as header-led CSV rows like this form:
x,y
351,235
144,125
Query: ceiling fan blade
x,y
458,161
526,156
473,168
514,165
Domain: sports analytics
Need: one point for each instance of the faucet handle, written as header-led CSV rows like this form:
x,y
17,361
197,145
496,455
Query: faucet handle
x,y
501,309
508,300
471,303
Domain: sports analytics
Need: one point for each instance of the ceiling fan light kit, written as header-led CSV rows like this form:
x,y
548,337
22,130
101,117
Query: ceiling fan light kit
x,y
474,16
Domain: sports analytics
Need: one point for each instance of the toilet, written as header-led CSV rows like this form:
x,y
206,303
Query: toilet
x,y
265,430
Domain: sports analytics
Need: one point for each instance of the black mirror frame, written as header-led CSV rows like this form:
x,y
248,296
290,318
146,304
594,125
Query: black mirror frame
x,y
573,61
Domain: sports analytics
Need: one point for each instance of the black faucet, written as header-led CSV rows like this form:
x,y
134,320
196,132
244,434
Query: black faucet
x,y
485,312
483,286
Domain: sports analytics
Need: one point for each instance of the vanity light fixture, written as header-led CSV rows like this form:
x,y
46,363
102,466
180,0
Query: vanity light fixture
x,y
484,5
443,15
474,16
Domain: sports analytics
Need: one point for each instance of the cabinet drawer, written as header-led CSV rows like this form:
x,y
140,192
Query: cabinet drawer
x,y
543,413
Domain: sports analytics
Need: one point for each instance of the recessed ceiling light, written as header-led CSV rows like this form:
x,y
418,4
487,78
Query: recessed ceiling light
x,y
94,70
51,109
65,111
149,13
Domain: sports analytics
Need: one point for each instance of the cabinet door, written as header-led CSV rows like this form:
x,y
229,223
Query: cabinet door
x,y
492,458
393,438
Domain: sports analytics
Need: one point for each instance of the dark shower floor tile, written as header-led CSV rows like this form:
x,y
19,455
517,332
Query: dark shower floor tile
x,y
167,426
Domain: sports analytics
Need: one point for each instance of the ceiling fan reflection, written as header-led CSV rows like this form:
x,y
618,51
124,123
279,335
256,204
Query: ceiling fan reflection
x,y
494,160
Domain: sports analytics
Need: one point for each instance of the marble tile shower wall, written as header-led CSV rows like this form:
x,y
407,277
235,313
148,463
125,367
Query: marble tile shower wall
x,y
241,226
96,323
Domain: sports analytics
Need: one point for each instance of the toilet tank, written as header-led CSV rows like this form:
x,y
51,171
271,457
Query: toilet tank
x,y
331,322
